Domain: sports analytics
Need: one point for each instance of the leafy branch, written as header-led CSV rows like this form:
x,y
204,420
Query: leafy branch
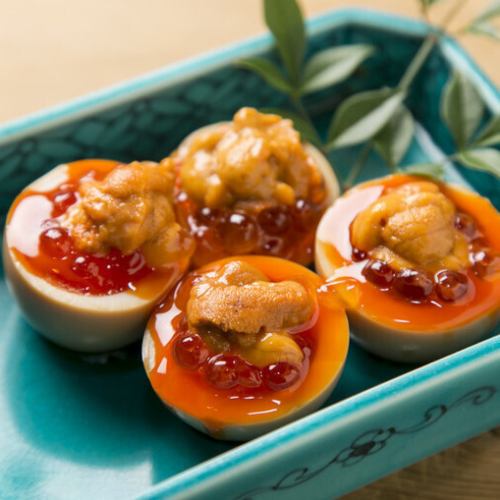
x,y
482,24
376,118
297,77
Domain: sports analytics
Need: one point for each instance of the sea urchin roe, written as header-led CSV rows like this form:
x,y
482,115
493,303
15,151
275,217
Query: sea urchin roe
x,y
256,157
248,303
46,248
414,231
415,222
129,210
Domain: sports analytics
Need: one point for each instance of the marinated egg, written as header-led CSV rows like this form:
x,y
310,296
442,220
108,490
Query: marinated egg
x,y
244,345
251,186
416,263
90,247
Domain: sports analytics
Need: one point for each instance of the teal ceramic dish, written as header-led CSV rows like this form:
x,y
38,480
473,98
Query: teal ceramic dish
x,y
80,426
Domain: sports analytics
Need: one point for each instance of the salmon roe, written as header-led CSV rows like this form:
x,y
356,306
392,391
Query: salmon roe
x,y
445,285
277,230
53,255
228,370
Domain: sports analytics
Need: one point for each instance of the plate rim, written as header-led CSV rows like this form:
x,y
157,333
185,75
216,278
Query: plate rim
x,y
201,476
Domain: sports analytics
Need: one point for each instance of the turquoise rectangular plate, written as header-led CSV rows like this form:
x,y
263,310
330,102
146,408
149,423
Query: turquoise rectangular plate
x,y
74,426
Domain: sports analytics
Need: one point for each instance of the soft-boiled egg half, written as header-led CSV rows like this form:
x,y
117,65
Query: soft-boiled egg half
x,y
251,186
90,247
416,263
244,345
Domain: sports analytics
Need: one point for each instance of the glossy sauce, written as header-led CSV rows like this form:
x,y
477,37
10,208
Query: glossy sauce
x,y
46,249
382,305
324,343
279,230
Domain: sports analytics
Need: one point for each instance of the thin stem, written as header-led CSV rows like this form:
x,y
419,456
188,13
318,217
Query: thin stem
x,y
424,12
407,79
417,62
426,48
302,111
358,165
459,32
452,13
299,106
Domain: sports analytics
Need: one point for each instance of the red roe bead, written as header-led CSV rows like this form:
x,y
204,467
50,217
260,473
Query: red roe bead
x,y
80,266
238,232
275,220
479,243
202,225
207,216
108,274
450,285
305,343
272,245
62,201
465,223
222,371
249,375
136,263
379,273
280,376
413,285
484,263
304,215
190,351
358,255
55,242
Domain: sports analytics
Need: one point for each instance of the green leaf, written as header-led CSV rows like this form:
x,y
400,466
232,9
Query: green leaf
x,y
394,139
492,11
268,71
333,65
362,115
433,170
306,130
490,135
461,108
285,20
485,29
481,25
485,159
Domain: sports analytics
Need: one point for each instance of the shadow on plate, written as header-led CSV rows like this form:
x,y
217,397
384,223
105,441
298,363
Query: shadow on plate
x,y
97,409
